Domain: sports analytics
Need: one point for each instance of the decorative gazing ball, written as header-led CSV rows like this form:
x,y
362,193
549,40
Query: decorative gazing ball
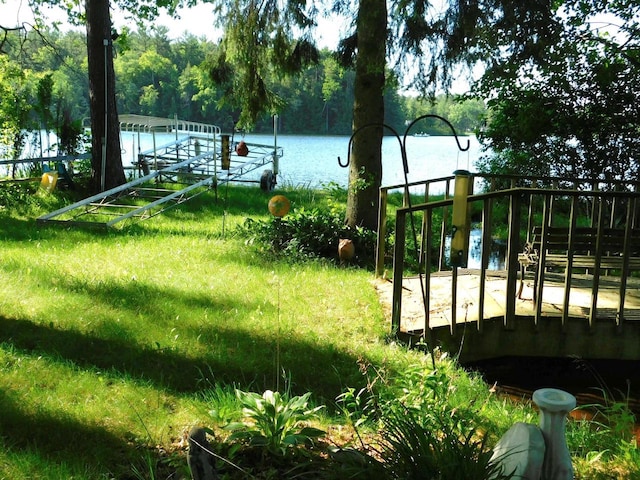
x,y
242,149
279,206
346,250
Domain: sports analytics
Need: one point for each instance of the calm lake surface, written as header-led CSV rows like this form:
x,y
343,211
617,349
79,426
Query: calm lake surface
x,y
312,161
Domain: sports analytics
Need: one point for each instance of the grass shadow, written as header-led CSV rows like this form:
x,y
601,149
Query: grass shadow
x,y
231,359
232,200
63,443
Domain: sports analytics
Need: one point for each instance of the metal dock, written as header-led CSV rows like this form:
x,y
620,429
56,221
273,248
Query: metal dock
x,y
164,176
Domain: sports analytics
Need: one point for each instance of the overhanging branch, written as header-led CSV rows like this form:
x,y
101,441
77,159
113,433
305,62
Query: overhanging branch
x,y
5,34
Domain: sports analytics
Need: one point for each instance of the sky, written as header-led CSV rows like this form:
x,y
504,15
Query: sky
x,y
198,20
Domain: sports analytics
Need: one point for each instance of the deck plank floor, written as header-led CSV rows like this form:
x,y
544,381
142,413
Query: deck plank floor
x,y
413,315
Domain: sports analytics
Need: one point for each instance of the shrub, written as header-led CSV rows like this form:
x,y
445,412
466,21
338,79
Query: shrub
x,y
440,447
311,233
608,434
16,195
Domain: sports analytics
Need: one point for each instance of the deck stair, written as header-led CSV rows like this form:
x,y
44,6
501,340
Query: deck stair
x,y
166,176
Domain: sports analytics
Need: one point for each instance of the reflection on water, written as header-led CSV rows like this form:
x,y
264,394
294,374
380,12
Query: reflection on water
x,y
497,251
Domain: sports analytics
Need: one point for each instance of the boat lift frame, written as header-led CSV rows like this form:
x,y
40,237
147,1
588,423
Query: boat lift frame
x,y
190,162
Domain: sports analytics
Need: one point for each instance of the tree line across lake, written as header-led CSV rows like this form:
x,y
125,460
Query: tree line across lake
x,y
43,81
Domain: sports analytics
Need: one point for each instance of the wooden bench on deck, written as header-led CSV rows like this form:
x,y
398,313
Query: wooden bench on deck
x,y
581,248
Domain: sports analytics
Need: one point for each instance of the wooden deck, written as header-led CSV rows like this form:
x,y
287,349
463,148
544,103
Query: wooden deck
x,y
546,338
589,298
413,317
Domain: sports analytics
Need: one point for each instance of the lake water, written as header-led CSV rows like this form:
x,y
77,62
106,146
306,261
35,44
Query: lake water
x,y
313,160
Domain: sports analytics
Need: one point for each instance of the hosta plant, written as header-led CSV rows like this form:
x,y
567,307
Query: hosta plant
x,y
275,422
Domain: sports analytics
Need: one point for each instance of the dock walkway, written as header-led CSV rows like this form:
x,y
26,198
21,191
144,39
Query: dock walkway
x,y
170,174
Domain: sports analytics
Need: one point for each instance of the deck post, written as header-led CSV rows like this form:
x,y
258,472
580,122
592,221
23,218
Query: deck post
x,y
540,272
426,301
454,301
398,269
634,213
593,314
424,249
445,227
631,208
485,249
595,187
513,247
569,268
382,232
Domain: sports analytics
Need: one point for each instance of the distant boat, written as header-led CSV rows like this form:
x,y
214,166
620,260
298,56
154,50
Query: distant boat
x,y
421,134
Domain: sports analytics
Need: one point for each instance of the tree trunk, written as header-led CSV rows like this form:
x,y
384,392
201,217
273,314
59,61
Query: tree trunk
x,y
105,138
365,171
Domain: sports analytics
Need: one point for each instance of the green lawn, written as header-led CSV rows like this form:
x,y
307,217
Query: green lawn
x,y
111,340
114,344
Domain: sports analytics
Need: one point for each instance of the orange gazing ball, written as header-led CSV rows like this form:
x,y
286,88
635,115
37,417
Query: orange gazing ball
x,y
279,205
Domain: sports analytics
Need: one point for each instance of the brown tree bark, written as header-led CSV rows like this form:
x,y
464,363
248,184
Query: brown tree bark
x,y
365,170
105,144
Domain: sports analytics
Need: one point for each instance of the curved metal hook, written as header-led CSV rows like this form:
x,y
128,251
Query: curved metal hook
x,y
402,141
369,125
431,115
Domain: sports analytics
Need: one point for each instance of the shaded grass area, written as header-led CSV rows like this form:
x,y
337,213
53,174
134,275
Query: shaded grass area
x,y
48,444
230,358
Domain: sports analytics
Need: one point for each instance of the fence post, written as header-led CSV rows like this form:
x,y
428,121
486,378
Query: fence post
x,y
513,246
398,269
382,232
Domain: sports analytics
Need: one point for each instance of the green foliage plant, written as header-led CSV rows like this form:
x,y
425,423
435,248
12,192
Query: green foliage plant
x,y
15,195
605,436
440,448
571,108
16,95
275,422
308,233
429,423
